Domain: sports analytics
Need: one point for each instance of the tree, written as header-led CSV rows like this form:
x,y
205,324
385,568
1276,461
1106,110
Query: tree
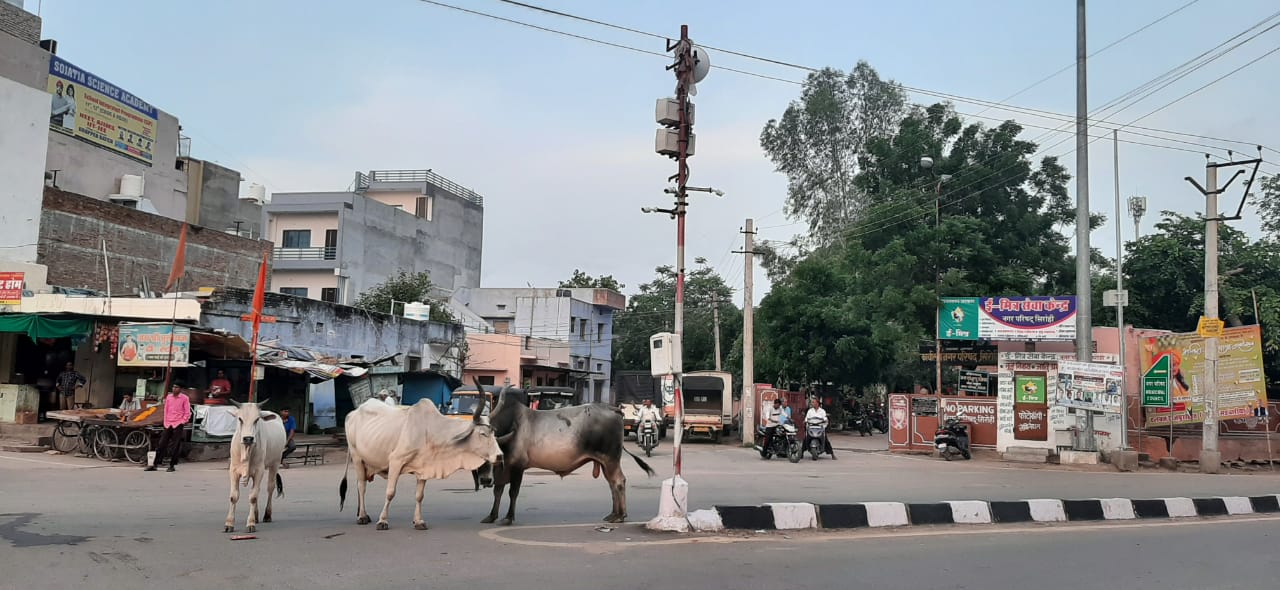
x,y
405,287
653,311
854,311
582,280
822,138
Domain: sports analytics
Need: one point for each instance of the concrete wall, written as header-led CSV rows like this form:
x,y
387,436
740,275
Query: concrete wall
x,y
316,223
19,23
502,356
337,330
312,280
24,134
213,199
139,245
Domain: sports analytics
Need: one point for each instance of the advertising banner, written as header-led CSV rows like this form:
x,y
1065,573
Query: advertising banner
x,y
94,110
1029,389
1089,386
1241,383
1007,318
150,345
11,288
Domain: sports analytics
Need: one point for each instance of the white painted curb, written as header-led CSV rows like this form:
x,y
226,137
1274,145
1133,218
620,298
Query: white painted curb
x,y
1047,510
1180,507
795,515
881,514
970,511
1238,505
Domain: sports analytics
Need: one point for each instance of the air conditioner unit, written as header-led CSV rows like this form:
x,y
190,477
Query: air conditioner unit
x,y
125,200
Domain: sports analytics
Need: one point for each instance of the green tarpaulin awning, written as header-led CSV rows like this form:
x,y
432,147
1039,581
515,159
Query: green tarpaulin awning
x,y
38,326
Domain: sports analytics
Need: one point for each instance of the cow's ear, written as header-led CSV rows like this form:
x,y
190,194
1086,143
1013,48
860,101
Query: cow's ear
x,y
462,438
267,416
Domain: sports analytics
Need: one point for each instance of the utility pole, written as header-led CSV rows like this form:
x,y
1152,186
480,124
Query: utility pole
x,y
1084,289
748,423
715,314
1121,296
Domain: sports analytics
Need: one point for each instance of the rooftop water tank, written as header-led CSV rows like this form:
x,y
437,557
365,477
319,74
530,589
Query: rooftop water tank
x,y
131,185
417,311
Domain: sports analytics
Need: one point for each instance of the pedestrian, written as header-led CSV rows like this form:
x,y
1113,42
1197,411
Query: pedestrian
x,y
177,412
68,382
290,426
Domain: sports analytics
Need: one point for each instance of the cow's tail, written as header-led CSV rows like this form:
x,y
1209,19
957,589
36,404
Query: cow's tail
x,y
643,465
342,488
279,485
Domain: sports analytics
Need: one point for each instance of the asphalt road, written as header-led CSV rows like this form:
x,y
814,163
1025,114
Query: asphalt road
x,y
66,521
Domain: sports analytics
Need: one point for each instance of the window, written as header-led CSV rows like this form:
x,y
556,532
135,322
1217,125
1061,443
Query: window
x,y
599,331
423,207
415,363
582,329
296,238
486,380
502,307
330,245
502,327
295,291
572,322
319,328
329,294
599,367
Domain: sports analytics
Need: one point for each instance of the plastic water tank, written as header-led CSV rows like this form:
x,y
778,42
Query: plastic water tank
x,y
131,185
417,311
259,192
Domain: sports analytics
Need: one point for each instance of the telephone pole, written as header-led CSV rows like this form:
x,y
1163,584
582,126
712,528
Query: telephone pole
x,y
1084,288
715,314
748,422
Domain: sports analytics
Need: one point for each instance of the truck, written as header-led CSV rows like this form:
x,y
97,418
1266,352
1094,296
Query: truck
x,y
708,404
631,388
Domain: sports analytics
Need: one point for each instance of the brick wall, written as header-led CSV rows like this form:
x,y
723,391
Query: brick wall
x,y
19,23
139,244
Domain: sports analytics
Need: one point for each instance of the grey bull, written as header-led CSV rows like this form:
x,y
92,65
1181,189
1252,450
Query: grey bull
x,y
559,441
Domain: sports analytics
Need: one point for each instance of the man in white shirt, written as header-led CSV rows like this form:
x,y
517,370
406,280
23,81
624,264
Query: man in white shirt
x,y
129,407
817,415
773,415
648,413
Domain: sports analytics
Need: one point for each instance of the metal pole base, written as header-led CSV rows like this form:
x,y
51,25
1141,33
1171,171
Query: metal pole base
x,y
672,507
1125,460
1210,462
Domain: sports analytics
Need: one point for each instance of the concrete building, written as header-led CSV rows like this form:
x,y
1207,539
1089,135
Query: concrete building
x,y
500,359
333,246
579,319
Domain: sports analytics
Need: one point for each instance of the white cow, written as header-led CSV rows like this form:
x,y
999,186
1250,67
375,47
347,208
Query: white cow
x,y
418,439
256,448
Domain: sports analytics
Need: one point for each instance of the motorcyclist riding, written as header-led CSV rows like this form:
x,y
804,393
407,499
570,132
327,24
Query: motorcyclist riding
x,y
648,413
817,415
773,418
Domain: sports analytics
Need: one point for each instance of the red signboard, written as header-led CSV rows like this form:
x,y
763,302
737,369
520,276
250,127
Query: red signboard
x,y
1031,422
11,288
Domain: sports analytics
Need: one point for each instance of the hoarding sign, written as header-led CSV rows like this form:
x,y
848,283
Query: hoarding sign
x,y
1089,386
154,345
1241,382
1029,389
91,109
1007,318
11,288
1155,384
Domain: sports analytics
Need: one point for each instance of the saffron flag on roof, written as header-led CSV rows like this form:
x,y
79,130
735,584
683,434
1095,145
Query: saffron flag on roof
x,y
179,262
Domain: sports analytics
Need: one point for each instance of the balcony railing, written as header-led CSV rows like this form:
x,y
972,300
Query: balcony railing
x,y
363,181
322,253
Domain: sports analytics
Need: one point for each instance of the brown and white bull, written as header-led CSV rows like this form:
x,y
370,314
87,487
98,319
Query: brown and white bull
x,y
256,447
559,441
418,439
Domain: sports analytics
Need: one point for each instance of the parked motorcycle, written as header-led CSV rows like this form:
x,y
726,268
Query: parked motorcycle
x,y
861,423
952,439
817,438
648,437
784,443
879,420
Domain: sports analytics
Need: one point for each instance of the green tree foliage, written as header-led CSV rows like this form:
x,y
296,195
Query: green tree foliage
x,y
1164,273
653,310
405,287
854,311
582,280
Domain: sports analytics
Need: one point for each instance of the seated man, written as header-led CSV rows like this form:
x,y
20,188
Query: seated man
x,y
773,417
129,407
290,426
817,415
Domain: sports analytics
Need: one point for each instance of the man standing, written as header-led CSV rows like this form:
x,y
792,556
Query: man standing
x,y
290,426
220,387
177,412
68,382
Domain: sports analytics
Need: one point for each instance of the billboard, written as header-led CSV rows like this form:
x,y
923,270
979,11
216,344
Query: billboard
x,y
1036,318
148,345
89,108
11,288
1241,383
1089,386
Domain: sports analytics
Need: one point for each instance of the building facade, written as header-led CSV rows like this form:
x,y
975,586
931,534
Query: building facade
x,y
581,320
333,246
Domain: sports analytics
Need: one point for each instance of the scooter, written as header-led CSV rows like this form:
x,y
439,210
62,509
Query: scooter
x,y
952,439
817,436
784,443
648,437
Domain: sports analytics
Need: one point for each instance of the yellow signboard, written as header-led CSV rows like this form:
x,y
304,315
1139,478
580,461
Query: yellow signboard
x,y
1241,384
94,110
1210,328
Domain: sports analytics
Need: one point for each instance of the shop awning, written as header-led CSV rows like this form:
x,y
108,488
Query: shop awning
x,y
39,326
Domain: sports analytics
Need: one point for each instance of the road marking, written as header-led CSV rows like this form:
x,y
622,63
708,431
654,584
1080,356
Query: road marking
x,y
498,534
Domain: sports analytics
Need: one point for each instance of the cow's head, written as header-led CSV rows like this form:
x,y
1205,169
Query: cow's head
x,y
249,417
480,441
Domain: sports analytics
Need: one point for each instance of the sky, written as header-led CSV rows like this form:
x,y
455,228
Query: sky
x,y
557,132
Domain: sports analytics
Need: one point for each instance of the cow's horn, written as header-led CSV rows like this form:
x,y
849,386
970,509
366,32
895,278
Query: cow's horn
x,y
234,402
479,406
263,403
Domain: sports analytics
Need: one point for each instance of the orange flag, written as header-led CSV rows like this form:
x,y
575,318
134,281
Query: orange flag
x,y
259,295
179,261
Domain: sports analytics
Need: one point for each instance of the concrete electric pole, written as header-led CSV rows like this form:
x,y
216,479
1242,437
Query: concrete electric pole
x,y
1084,288
715,314
748,422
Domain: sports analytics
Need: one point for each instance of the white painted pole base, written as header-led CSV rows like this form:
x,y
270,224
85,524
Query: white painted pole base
x,y
672,507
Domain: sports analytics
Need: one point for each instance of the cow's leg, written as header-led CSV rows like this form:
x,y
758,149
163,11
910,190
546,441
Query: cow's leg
x,y
499,484
271,491
517,475
418,522
251,525
393,474
618,487
234,484
362,480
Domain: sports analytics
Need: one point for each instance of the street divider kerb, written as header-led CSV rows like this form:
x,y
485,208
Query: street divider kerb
x,y
799,515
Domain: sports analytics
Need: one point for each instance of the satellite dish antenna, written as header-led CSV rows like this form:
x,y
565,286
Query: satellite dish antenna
x,y
701,64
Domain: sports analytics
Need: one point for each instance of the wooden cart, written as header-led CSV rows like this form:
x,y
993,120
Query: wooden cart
x,y
100,433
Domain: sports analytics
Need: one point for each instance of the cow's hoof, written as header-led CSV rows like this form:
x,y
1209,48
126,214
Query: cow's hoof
x,y
421,526
615,518
364,520
267,518
507,521
228,529
382,526
488,520
251,529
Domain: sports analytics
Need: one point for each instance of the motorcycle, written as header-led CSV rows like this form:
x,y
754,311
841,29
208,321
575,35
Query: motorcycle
x,y
817,436
648,437
879,420
784,443
952,439
861,423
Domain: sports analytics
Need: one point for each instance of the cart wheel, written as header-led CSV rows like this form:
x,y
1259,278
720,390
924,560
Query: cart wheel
x,y
136,445
66,437
105,443
85,446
